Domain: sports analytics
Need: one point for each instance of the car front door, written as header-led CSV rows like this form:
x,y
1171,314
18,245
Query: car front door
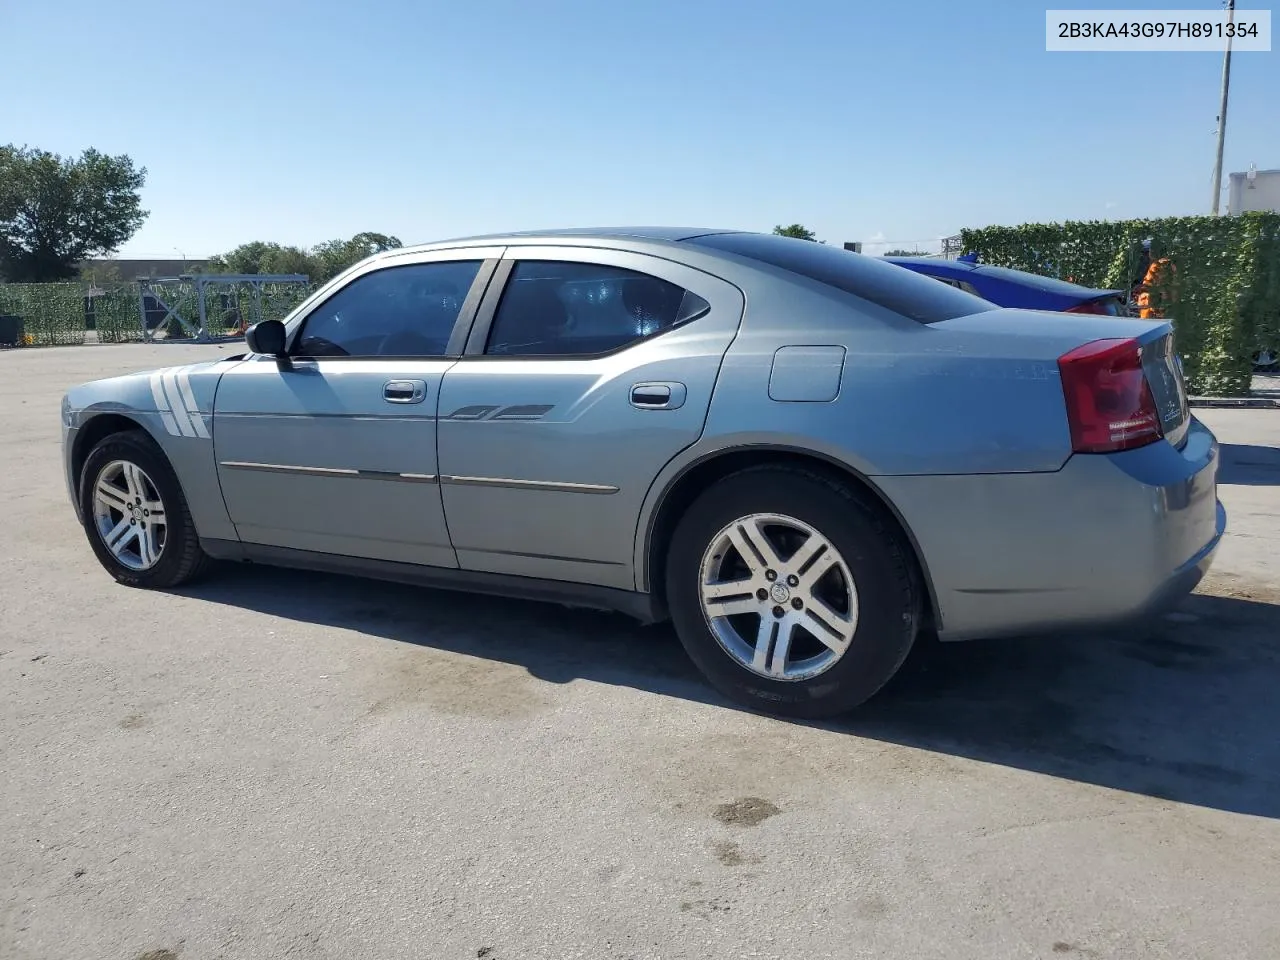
x,y
586,371
334,449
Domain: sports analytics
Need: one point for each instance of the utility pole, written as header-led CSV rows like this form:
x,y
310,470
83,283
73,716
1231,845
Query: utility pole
x,y
1222,109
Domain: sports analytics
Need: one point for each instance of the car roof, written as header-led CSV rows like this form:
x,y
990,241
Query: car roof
x,y
669,234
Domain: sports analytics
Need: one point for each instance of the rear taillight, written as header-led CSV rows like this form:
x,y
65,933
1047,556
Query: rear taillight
x,y
1089,306
1109,402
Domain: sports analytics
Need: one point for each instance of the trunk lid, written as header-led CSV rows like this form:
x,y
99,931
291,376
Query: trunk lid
x,y
1043,335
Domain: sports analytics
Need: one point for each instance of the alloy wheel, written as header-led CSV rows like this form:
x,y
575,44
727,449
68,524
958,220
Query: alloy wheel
x,y
129,515
778,597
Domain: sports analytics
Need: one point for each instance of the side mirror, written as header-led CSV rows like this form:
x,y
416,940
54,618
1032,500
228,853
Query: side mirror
x,y
266,336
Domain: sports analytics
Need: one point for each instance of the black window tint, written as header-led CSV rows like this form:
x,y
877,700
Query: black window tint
x,y
406,311
895,288
947,280
579,309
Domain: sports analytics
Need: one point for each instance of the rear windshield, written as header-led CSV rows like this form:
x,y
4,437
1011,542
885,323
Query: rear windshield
x,y
895,288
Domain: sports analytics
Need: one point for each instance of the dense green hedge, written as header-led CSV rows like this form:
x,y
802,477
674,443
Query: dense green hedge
x,y
1224,294
52,313
116,316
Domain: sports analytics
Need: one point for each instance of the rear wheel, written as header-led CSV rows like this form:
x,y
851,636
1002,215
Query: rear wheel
x,y
791,593
136,516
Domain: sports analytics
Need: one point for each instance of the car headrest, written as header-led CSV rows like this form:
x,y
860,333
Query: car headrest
x,y
651,297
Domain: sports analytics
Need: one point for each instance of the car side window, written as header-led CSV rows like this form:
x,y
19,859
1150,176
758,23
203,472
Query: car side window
x,y
406,311
551,308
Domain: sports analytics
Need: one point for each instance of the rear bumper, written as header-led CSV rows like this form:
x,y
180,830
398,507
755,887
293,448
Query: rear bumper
x,y
1105,541
1187,577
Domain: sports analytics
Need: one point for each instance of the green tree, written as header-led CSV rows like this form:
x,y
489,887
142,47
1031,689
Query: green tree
x,y
321,262
104,273
56,211
797,230
259,257
334,256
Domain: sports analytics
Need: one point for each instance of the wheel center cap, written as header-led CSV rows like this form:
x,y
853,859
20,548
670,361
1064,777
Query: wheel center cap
x,y
136,511
779,593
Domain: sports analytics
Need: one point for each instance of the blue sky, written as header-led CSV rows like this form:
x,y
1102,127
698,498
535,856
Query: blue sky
x,y
302,122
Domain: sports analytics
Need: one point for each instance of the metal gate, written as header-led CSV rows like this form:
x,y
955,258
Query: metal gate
x,y
216,307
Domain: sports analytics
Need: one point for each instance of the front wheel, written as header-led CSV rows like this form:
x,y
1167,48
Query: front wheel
x,y
136,516
791,593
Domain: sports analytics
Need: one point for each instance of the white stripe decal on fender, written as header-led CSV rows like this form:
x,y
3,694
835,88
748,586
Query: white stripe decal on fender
x,y
162,405
170,384
189,398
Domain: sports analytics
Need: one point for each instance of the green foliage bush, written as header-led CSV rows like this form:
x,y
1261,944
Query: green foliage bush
x,y
278,299
1223,297
117,317
52,313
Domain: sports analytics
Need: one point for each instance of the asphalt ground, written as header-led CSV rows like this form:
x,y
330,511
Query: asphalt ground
x,y
280,764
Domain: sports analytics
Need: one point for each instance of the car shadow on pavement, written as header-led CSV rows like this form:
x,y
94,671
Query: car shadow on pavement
x,y
1249,465
1189,712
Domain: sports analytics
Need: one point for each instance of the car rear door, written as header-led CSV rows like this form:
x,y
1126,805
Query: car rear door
x,y
334,450
586,371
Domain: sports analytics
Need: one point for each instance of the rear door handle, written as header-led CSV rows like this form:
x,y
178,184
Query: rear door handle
x,y
404,391
666,395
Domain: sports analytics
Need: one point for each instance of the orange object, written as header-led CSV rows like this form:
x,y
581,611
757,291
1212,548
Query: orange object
x,y
1146,310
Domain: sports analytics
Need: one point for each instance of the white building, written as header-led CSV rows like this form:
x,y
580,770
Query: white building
x,y
1255,190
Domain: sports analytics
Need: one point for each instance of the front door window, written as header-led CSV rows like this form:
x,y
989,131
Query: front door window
x,y
406,311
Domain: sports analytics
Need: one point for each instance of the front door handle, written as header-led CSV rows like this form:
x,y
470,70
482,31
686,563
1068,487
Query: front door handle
x,y
404,391
666,395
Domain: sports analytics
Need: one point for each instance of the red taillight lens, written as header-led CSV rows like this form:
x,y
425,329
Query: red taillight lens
x,y
1109,402
1089,306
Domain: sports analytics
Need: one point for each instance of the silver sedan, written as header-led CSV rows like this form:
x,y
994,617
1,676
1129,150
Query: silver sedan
x,y
801,456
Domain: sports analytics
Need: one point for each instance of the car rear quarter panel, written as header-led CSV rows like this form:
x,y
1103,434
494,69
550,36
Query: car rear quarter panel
x,y
913,398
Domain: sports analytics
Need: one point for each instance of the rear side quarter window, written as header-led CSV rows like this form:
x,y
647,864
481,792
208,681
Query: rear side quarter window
x,y
572,309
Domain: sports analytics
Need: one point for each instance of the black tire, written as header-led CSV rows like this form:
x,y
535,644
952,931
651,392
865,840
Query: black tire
x,y
888,589
181,560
